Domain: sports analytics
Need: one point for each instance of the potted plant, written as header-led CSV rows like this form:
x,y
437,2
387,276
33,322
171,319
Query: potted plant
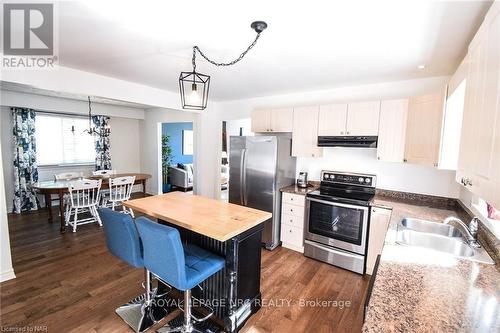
x,y
166,159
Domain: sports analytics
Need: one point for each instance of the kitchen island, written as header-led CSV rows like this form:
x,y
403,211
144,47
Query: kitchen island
x,y
231,231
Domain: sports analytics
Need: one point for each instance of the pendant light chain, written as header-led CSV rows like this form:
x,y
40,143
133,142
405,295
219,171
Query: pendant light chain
x,y
218,64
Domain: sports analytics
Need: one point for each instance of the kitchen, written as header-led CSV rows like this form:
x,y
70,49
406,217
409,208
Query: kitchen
x,y
359,200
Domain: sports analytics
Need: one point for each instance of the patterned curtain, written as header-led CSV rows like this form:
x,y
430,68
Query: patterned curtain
x,y
102,156
25,167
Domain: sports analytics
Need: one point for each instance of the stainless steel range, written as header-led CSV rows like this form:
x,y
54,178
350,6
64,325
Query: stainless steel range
x,y
337,218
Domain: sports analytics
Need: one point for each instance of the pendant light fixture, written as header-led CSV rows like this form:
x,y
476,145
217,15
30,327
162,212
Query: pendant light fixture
x,y
194,86
92,129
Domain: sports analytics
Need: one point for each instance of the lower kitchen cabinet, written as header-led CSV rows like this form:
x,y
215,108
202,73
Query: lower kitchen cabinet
x,y
292,221
379,222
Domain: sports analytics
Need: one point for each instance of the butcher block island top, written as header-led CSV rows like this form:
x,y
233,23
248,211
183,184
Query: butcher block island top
x,y
212,218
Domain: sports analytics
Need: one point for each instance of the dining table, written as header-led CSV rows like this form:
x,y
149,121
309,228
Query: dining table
x,y
61,187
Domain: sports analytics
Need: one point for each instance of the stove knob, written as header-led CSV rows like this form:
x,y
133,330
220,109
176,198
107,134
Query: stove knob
x,y
361,179
367,180
332,176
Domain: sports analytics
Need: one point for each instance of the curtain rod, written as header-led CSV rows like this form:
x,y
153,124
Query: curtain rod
x,y
81,115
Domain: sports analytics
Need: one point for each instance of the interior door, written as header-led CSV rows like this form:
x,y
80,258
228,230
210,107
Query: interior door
x,y
237,152
259,179
363,118
332,120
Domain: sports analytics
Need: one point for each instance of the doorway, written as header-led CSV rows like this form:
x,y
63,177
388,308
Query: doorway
x,y
177,149
234,127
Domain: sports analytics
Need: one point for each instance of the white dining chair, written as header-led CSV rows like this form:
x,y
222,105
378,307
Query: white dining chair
x,y
104,172
63,176
83,195
120,190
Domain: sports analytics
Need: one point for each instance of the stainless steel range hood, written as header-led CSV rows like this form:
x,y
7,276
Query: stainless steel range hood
x,y
348,141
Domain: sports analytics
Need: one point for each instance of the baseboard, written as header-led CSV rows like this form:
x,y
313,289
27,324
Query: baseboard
x,y
7,275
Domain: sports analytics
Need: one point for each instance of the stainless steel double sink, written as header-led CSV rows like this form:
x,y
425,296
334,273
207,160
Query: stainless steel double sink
x,y
439,237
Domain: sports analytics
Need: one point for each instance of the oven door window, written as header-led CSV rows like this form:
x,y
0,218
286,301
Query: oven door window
x,y
337,222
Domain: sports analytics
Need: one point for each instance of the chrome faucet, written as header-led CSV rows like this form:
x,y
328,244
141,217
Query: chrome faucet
x,y
469,231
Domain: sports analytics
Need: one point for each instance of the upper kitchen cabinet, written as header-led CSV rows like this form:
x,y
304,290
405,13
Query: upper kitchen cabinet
x,y
479,159
272,120
363,118
423,130
332,120
353,119
305,132
392,130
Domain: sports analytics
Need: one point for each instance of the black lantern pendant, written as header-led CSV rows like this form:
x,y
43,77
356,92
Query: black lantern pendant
x,y
194,86
194,90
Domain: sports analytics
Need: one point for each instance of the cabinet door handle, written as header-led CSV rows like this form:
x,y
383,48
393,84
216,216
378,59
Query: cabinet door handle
x,y
342,132
405,160
347,132
378,157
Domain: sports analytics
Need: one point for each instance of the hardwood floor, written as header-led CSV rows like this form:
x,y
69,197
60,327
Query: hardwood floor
x,y
70,283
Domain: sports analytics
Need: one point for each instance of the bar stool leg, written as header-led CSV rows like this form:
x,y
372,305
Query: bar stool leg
x,y
139,312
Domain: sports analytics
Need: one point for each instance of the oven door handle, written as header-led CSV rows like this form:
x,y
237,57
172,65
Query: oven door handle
x,y
365,208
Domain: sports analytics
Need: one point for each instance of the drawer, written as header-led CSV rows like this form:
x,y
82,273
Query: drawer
x,y
292,210
294,199
291,235
293,221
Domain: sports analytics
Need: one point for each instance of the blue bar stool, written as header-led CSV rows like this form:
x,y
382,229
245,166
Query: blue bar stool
x,y
123,241
181,266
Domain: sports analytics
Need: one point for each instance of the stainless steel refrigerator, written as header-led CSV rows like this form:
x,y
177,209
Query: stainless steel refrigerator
x,y
258,167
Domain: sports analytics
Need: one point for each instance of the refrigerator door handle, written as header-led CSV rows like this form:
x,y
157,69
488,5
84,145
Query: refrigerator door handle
x,y
243,176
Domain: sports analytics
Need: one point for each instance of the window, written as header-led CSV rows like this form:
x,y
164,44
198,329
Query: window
x,y
452,129
62,140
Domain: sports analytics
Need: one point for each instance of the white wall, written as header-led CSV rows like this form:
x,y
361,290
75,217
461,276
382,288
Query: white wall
x,y
390,176
125,138
150,129
73,81
6,271
403,177
233,129
66,105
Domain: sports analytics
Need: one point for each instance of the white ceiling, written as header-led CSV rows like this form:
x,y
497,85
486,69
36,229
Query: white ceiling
x,y
309,44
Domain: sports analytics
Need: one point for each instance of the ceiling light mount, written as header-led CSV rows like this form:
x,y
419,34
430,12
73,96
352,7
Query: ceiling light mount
x,y
258,26
194,97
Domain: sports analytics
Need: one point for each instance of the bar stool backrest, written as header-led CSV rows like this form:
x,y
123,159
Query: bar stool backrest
x,y
120,188
122,237
163,252
84,193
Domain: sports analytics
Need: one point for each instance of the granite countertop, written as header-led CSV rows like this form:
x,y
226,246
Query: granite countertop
x,y
294,189
420,290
